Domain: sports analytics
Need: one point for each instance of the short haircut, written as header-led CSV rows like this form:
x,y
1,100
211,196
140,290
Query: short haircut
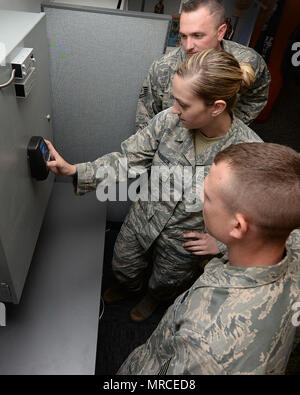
x,y
215,7
265,186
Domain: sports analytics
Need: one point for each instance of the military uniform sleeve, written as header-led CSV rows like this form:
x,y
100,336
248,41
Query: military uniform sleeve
x,y
195,355
150,98
137,151
251,103
192,356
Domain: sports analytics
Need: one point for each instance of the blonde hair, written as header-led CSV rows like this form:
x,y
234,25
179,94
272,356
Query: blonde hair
x,y
217,75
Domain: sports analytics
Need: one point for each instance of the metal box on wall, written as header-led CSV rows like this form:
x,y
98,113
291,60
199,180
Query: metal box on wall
x,y
23,200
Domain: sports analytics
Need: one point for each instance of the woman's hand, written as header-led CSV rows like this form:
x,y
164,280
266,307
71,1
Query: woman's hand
x,y
57,164
204,244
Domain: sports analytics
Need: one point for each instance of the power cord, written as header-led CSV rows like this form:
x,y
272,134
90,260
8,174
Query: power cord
x,y
12,76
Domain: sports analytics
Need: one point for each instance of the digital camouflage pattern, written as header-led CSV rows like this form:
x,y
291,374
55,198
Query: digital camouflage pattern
x,y
156,92
233,320
160,224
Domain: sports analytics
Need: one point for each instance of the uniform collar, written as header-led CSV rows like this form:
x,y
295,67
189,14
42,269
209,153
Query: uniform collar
x,y
226,45
186,133
185,136
218,274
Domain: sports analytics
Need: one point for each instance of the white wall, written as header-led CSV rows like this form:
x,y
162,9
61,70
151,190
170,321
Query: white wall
x,y
21,5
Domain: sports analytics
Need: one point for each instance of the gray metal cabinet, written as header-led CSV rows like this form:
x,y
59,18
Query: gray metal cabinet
x,y
23,200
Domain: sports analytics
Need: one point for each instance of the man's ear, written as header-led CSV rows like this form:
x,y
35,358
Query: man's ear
x,y
240,227
218,107
221,31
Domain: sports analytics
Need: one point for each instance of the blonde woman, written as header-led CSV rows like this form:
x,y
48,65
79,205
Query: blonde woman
x,y
185,137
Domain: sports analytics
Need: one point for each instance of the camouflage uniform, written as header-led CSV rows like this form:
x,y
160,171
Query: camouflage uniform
x,y
160,225
233,320
156,92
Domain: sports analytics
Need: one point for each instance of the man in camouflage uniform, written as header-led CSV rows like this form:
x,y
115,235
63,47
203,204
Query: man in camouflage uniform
x,y
238,317
201,27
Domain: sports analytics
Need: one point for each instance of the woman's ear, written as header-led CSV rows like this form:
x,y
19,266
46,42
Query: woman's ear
x,y
219,106
240,227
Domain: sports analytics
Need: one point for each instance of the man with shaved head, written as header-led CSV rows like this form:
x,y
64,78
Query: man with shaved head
x,y
238,317
202,26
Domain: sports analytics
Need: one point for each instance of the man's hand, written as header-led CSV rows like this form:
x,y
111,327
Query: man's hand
x,y
203,245
57,164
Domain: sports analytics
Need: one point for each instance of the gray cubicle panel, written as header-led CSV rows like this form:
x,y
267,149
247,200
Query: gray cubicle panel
x,y
23,200
98,61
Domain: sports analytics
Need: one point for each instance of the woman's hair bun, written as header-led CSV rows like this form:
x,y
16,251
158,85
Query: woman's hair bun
x,y
248,76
